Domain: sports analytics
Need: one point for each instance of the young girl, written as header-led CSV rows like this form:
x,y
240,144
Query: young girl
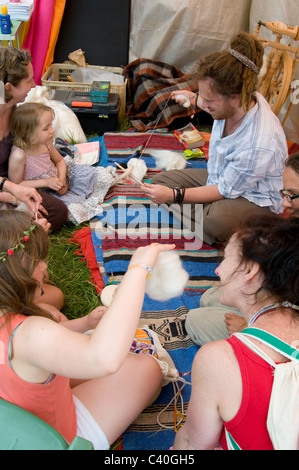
x,y
34,154
35,162
109,387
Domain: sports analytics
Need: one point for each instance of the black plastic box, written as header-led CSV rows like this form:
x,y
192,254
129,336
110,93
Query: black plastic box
x,y
94,117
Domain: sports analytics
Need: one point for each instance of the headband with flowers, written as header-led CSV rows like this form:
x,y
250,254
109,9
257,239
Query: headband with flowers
x,y
21,244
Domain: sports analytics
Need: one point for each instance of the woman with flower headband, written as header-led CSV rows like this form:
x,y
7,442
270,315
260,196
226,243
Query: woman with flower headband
x,y
86,385
231,383
16,73
246,152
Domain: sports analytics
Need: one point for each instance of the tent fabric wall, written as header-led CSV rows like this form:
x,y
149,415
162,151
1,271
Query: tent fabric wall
x,y
286,11
178,32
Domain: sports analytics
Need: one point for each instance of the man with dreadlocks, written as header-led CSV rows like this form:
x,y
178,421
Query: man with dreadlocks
x,y
247,146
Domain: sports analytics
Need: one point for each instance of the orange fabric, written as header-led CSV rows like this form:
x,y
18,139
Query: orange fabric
x,y
56,23
52,402
293,147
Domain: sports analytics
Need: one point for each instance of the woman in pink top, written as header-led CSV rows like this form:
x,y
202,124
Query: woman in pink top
x,y
231,385
87,385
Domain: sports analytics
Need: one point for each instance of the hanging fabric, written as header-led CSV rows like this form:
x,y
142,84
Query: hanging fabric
x,y
37,40
56,23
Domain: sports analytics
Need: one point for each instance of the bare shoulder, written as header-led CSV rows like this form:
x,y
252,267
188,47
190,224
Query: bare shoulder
x,y
215,358
17,154
35,323
220,348
216,377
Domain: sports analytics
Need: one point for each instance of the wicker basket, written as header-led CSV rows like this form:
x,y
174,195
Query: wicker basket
x,y
56,75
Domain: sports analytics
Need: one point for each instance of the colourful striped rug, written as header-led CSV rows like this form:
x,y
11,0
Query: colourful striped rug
x,y
130,220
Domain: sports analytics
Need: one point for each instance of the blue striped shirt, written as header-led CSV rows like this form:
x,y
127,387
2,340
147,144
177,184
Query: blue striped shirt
x,y
250,162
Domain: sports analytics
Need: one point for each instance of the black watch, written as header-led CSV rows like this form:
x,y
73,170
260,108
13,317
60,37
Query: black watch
x,y
2,184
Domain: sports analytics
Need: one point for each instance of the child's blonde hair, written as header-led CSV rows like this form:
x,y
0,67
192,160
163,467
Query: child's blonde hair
x,y
24,122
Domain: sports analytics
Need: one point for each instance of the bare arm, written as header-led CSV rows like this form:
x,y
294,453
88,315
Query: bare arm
x,y
61,166
27,195
8,198
16,165
204,425
162,194
16,173
42,345
58,161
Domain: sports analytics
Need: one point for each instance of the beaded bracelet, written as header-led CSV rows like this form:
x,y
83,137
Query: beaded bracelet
x,y
147,267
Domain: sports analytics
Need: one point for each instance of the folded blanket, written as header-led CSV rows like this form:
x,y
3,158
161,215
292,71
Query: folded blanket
x,y
150,86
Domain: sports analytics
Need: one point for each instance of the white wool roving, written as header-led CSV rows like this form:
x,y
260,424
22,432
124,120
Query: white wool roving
x,y
168,160
168,279
66,125
139,167
181,99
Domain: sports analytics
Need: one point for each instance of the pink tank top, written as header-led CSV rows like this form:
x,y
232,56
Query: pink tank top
x,y
38,167
51,401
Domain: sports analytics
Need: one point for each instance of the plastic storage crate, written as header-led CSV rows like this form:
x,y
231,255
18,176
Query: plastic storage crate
x,y
98,118
55,78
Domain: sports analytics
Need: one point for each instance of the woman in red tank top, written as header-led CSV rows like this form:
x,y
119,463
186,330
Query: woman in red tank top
x,y
231,385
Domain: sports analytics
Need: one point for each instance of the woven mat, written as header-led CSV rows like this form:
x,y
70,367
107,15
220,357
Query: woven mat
x,y
108,245
112,235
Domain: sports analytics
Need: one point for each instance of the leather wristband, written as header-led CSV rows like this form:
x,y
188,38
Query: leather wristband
x,y
178,195
2,184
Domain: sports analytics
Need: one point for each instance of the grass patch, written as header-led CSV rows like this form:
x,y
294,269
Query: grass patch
x,y
67,270
72,275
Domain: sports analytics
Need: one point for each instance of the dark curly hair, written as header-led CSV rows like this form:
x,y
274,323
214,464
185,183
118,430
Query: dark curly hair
x,y
273,243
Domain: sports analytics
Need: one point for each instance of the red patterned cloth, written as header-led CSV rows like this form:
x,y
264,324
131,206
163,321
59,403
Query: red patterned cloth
x,y
82,238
